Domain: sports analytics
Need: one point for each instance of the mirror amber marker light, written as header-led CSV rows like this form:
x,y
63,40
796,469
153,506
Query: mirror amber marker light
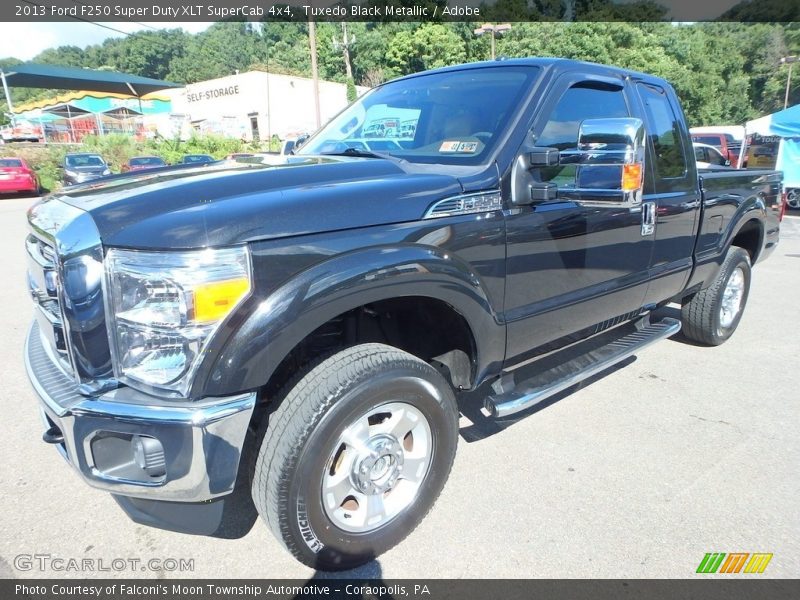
x,y
631,177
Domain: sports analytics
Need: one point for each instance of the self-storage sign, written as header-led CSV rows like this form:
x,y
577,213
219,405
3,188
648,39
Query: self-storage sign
x,y
231,90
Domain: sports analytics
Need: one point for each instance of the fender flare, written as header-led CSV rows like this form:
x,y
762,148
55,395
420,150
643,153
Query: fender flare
x,y
708,264
265,329
752,209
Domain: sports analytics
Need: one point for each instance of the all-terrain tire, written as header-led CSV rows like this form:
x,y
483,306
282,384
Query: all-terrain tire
x,y
302,435
703,315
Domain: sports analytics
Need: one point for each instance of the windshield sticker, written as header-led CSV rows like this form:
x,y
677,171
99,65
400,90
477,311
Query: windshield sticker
x,y
449,146
469,147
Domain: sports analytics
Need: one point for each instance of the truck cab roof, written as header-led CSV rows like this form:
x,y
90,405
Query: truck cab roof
x,y
549,64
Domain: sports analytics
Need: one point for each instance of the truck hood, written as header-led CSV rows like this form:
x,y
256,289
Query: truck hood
x,y
232,203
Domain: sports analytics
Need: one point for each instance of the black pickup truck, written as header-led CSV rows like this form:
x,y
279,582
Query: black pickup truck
x,y
324,316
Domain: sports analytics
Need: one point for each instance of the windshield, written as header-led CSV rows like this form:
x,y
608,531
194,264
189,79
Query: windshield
x,y
150,161
454,117
195,158
10,162
88,160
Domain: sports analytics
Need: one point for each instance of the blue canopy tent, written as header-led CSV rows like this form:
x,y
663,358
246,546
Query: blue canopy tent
x,y
72,78
785,125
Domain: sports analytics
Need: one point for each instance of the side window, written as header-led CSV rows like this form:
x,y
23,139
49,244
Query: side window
x,y
664,132
585,100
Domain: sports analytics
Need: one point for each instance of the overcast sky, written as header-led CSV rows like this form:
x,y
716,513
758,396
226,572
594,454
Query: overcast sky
x,y
26,40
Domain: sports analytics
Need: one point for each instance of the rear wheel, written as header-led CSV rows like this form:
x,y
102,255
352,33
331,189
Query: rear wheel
x,y
713,314
355,455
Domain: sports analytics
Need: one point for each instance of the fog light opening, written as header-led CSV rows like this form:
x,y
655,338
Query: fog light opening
x,y
129,457
148,454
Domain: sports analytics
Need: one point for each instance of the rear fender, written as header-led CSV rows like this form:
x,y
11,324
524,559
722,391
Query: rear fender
x,y
709,261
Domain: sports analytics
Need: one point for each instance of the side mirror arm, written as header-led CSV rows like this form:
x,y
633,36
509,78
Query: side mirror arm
x,y
526,187
541,156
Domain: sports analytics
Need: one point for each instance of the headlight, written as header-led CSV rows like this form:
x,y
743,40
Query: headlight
x,y
165,306
107,172
71,173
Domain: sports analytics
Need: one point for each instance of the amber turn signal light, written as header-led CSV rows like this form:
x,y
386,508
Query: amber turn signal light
x,y
631,177
213,301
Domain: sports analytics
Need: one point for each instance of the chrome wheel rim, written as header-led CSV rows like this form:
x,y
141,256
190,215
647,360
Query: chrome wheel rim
x,y
793,199
377,467
732,298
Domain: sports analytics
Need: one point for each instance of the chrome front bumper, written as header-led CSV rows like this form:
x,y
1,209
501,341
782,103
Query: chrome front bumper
x,y
202,441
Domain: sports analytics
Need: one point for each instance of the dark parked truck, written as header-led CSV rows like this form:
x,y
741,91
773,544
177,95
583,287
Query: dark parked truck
x,y
322,317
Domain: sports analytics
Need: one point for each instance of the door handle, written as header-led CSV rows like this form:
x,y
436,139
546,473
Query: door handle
x,y
648,218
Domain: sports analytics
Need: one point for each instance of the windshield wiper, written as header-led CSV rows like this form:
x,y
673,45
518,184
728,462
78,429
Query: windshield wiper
x,y
363,154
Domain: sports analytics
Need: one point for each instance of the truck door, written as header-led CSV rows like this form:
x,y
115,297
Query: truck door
x,y
671,182
570,266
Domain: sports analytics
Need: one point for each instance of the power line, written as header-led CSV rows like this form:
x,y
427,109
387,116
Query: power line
x,y
134,22
157,40
82,20
114,29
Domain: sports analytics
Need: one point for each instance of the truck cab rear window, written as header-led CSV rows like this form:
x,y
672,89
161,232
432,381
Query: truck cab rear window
x,y
664,130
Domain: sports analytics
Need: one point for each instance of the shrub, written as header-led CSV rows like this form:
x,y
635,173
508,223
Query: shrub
x,y
117,149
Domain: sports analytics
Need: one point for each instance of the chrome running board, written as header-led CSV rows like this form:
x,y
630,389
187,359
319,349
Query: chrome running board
x,y
615,346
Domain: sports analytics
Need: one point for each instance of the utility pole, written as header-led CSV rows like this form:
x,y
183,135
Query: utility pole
x,y
312,40
788,60
494,30
259,30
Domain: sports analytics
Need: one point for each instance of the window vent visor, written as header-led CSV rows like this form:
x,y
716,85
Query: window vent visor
x,y
466,204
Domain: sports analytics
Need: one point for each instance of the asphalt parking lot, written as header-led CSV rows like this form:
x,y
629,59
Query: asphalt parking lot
x,y
683,451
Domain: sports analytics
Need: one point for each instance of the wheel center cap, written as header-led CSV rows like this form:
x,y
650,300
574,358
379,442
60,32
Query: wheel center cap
x,y
378,465
381,466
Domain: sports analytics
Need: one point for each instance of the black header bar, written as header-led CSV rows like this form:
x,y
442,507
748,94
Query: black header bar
x,y
321,588
399,10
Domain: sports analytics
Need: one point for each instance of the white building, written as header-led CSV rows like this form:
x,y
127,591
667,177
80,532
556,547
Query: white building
x,y
256,105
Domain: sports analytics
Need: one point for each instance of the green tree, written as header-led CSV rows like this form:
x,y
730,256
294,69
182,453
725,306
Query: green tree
x,y
430,46
220,50
724,72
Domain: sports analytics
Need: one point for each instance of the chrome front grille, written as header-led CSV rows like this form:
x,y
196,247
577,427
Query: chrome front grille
x,y
65,278
54,382
43,286
47,252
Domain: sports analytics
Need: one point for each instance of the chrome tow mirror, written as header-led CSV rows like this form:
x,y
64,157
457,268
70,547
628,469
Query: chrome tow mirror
x,y
610,162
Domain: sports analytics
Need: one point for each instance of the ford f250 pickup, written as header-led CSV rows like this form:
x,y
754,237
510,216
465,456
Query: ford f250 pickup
x,y
324,316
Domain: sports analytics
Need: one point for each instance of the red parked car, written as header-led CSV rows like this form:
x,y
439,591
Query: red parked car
x,y
16,176
140,163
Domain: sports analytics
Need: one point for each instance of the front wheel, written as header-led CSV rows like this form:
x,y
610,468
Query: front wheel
x,y
713,314
355,455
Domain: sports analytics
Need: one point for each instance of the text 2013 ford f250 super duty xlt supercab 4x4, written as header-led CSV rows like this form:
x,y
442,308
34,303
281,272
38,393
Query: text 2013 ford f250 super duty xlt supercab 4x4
x,y
323,316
